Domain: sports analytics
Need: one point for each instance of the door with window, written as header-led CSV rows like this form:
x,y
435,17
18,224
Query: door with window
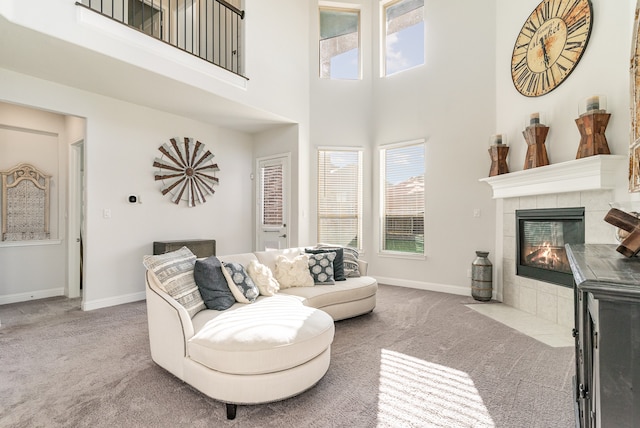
x,y
272,210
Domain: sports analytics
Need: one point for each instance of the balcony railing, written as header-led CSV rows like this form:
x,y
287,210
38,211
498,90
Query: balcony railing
x,y
209,29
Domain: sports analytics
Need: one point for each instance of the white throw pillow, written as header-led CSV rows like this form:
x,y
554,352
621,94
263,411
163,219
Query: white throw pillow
x,y
263,278
293,272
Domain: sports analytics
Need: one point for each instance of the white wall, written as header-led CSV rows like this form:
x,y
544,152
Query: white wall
x,y
277,58
603,70
122,137
121,142
450,102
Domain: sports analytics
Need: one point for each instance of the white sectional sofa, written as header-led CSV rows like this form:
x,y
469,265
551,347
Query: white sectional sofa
x,y
269,350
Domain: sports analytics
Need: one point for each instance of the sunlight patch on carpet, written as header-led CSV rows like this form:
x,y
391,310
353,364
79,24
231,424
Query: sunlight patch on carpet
x,y
414,392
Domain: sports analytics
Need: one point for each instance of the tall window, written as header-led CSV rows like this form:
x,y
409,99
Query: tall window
x,y
404,35
339,43
340,197
403,198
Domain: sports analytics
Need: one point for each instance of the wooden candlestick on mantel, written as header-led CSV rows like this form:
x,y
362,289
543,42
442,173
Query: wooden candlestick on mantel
x,y
535,136
498,153
592,139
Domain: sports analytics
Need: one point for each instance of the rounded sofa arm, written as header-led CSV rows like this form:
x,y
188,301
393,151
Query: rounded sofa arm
x,y
170,327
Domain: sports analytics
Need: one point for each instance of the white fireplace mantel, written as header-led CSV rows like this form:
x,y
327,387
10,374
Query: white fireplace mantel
x,y
590,173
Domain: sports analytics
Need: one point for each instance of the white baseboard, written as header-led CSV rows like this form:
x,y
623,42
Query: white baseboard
x,y
113,301
32,295
429,286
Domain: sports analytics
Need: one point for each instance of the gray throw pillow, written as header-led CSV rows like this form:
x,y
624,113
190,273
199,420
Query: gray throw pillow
x,y
212,284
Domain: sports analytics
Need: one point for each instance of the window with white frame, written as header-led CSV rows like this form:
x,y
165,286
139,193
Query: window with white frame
x,y
402,201
340,197
403,22
339,43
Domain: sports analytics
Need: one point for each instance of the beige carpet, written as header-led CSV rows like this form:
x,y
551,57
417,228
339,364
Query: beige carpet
x,y
421,359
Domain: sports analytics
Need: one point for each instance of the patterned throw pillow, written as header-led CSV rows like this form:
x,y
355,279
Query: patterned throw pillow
x,y
174,271
338,262
321,267
351,266
350,259
293,273
263,278
240,283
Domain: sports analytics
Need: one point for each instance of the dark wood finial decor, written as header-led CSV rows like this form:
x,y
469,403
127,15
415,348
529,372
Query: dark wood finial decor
x,y
535,136
592,126
498,153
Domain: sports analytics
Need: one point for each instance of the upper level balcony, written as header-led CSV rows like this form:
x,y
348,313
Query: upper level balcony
x,y
79,46
209,29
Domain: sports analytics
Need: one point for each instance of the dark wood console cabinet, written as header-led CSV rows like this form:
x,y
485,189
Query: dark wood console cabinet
x,y
607,332
200,247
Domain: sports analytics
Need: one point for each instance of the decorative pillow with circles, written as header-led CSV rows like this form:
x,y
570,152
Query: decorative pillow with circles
x,y
240,283
338,262
293,272
321,268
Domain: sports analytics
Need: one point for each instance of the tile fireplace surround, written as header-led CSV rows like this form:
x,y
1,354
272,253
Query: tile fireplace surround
x,y
592,183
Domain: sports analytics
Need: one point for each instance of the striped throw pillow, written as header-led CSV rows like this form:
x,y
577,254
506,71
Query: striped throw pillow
x,y
350,259
174,271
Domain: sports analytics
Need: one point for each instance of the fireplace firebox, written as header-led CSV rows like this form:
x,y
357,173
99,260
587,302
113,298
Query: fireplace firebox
x,y
541,235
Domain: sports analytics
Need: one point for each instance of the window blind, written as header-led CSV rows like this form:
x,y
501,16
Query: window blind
x,y
340,197
403,201
272,191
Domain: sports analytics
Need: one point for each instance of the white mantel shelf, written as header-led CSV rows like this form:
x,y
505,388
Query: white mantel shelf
x,y
590,173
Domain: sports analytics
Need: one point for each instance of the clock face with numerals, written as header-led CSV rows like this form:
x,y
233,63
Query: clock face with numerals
x,y
550,44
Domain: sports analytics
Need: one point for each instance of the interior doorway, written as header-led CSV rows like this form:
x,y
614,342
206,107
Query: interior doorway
x,y
76,229
273,202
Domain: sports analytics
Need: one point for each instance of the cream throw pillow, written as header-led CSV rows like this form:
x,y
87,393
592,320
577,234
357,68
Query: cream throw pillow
x,y
293,273
263,278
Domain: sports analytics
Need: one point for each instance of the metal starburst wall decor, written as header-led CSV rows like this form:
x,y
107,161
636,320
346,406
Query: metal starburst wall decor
x,y
187,171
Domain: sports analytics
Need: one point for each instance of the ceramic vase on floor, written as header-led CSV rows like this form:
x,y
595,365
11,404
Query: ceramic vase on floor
x,y
481,277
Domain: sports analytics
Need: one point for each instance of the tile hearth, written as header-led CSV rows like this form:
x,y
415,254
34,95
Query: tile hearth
x,y
542,330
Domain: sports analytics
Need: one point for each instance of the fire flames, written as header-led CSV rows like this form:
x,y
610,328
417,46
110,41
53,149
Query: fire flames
x,y
546,256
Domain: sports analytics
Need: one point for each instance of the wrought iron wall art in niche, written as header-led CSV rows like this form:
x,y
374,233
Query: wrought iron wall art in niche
x,y
25,203
187,171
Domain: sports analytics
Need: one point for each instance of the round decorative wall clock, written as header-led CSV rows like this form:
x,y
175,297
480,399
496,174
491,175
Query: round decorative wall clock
x,y
550,44
187,171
